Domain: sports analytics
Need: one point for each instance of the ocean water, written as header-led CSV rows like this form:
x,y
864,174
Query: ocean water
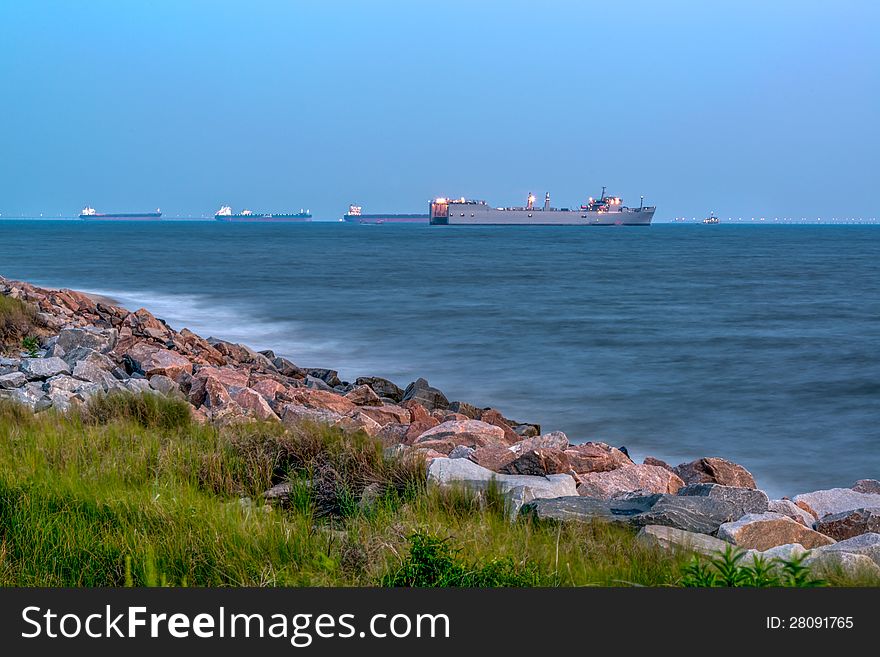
x,y
760,344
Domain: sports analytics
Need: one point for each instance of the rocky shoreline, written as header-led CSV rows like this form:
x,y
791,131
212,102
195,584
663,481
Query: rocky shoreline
x,y
87,346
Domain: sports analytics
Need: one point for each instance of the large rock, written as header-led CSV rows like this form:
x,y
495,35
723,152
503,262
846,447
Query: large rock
x,y
95,367
715,471
493,457
850,564
294,414
627,479
699,514
491,416
43,368
151,359
762,531
363,395
382,387
867,544
288,368
670,538
165,385
446,472
552,440
541,461
330,377
253,403
387,414
12,380
359,421
426,395
587,509
742,500
846,524
835,500
867,486
270,389
596,457
322,400
792,510
30,395
471,433
88,337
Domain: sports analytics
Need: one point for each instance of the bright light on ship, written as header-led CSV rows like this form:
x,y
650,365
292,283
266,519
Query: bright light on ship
x,y
440,200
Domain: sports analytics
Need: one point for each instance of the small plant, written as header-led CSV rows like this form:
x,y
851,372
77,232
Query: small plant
x,y
725,570
31,346
17,320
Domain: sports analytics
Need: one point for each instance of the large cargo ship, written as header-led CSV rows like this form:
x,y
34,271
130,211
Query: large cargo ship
x,y
355,216
91,214
226,214
604,211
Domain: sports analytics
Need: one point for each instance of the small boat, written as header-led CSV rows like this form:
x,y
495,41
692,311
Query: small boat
x,y
711,219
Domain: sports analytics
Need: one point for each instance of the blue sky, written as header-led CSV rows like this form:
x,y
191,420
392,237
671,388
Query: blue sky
x,y
745,108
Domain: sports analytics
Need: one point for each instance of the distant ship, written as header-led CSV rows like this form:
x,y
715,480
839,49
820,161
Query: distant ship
x,y
355,216
711,219
604,211
90,213
226,214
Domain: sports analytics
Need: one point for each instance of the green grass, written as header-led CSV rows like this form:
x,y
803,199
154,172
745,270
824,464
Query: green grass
x,y
17,322
132,492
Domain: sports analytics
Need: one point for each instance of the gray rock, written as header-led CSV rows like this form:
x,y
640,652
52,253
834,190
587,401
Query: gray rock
x,y
318,384
63,401
429,397
589,509
101,340
288,368
465,409
552,440
330,377
43,368
382,387
296,414
836,500
867,544
792,510
30,395
137,386
165,385
94,367
698,514
451,473
850,564
785,552
8,365
743,500
670,538
12,380
461,452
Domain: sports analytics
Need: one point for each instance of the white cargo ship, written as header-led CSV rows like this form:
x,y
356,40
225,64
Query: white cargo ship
x,y
604,211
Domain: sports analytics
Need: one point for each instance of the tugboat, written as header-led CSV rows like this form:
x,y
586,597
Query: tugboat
x,y
711,219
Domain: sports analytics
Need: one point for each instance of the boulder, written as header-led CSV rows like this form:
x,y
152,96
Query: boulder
x,y
330,377
382,387
137,386
151,360
846,524
322,400
269,389
493,457
392,434
143,324
742,500
94,367
576,508
426,395
650,460
867,486
792,510
715,471
293,414
363,395
866,544
43,368
699,514
446,472
252,403
465,409
388,414
670,538
472,433
762,531
541,461
63,401
30,395
491,416
835,500
358,421
596,457
12,380
629,478
552,440
88,337
165,385
287,368
526,430
850,564
318,384
8,365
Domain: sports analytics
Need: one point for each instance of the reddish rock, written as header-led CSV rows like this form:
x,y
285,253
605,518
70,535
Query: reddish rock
x,y
253,403
363,396
553,440
269,389
847,524
218,403
322,399
628,479
867,486
225,376
417,428
442,446
419,413
358,421
596,457
542,461
156,360
143,324
715,471
446,416
388,414
650,460
491,416
471,433
762,531
392,434
493,457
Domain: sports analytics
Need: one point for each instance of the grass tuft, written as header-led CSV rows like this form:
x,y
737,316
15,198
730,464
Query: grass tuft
x,y
18,320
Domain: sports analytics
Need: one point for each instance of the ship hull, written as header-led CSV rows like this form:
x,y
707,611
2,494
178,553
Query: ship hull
x,y
482,215
272,219
128,216
386,218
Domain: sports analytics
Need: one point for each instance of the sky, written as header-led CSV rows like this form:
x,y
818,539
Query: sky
x,y
745,108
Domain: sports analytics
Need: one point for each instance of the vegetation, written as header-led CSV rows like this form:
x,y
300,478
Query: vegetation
x,y
17,322
130,491
727,570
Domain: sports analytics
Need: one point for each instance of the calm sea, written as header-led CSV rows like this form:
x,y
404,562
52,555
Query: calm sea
x,y
757,343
